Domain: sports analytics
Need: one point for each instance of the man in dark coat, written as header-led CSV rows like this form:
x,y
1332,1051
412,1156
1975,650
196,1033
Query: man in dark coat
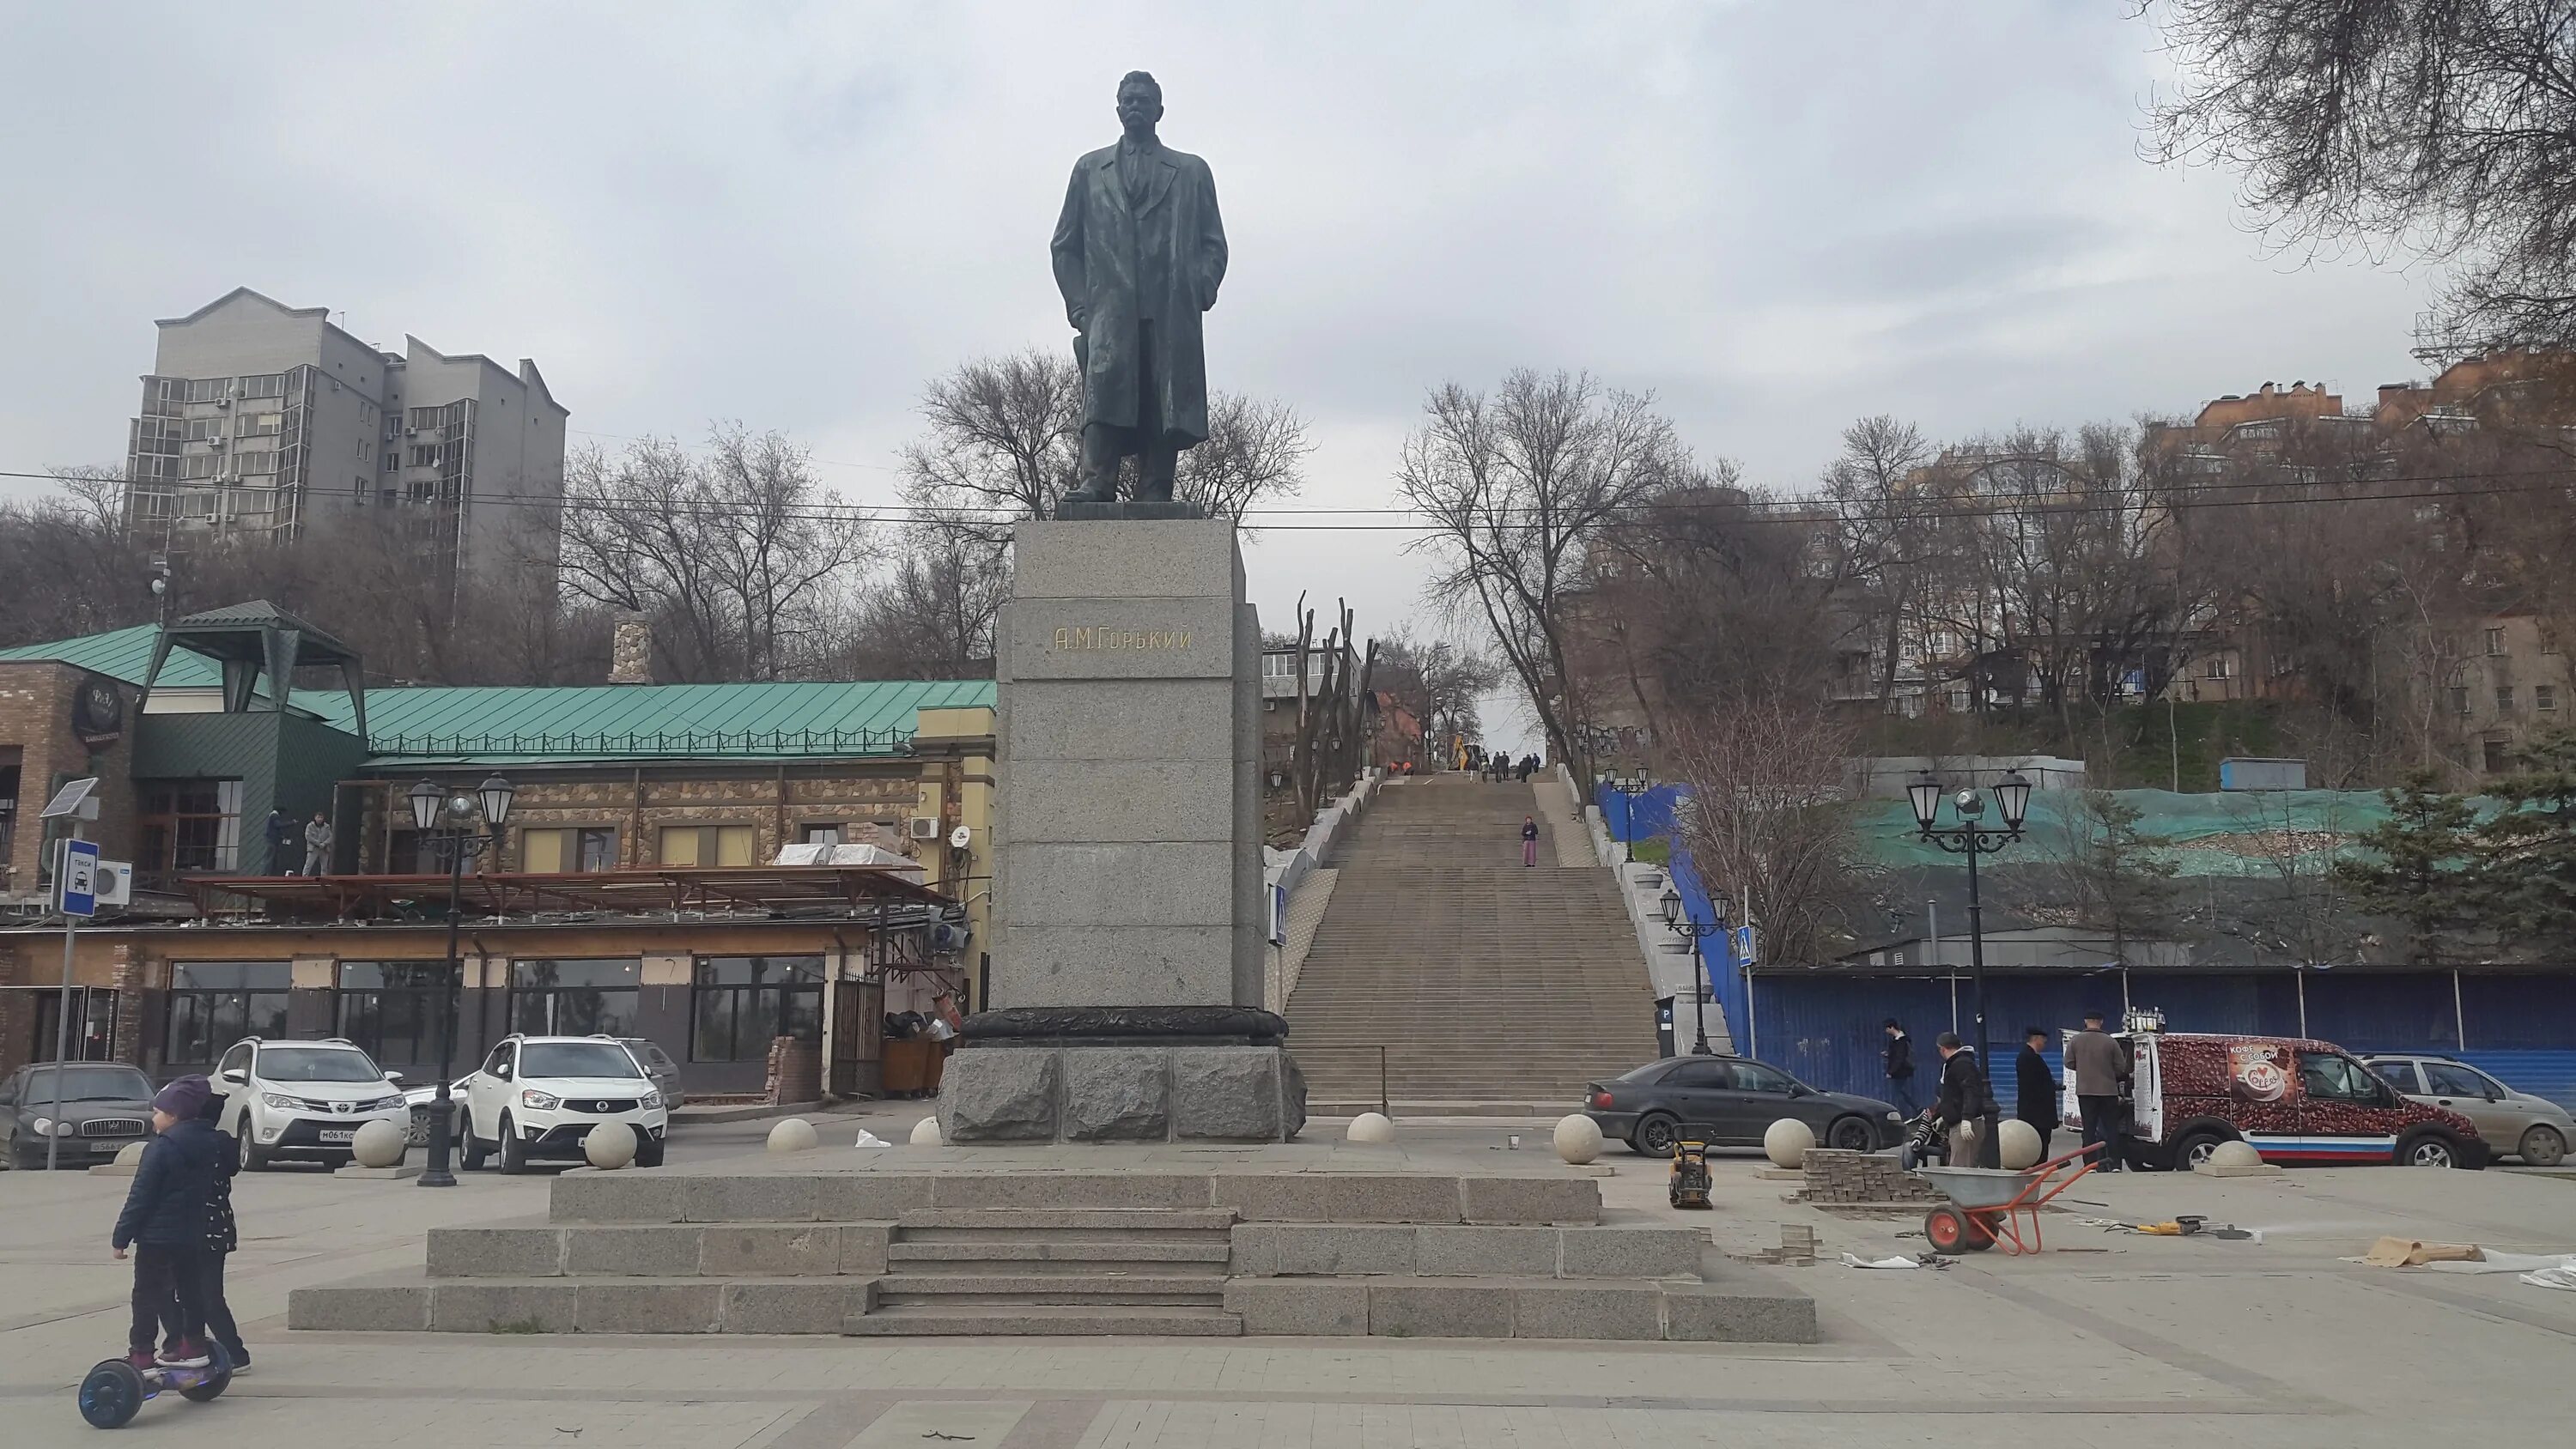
x,y
2034,1088
1966,1104
1900,1068
164,1222
1139,251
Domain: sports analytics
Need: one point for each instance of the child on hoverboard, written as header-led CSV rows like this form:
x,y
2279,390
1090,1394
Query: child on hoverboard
x,y
164,1223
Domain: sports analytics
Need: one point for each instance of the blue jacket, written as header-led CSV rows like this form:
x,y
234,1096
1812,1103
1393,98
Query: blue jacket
x,y
166,1205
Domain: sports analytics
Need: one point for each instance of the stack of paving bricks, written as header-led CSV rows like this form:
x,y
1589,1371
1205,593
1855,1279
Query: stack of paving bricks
x,y
1836,1178
795,1071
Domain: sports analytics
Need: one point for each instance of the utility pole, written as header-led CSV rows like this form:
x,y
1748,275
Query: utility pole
x,y
76,891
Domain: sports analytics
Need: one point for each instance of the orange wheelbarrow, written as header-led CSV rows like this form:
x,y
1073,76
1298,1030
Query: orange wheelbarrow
x,y
1991,1205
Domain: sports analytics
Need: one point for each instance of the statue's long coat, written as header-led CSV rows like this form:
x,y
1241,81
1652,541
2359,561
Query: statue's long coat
x,y
1117,265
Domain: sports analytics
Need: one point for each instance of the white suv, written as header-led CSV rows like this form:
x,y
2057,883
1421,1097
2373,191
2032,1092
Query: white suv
x,y
539,1096
302,1099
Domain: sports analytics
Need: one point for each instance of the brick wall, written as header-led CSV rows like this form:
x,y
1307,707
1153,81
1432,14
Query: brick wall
x,y
36,719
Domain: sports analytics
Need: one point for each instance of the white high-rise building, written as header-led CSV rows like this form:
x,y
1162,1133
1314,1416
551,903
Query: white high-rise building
x,y
263,418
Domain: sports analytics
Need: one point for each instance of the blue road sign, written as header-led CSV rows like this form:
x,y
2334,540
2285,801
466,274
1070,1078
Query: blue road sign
x,y
80,878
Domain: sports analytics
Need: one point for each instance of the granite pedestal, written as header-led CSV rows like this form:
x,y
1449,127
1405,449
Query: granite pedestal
x,y
1128,827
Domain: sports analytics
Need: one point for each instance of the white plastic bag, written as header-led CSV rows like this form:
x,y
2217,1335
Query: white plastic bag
x,y
870,1139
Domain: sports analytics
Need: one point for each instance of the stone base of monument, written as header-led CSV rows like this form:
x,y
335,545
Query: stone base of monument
x,y
1127,509
1122,1074
1288,1238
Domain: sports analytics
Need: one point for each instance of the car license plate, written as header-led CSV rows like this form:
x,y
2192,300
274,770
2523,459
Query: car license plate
x,y
339,1134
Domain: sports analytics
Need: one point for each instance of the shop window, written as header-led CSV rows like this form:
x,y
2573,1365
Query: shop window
x,y
739,1003
706,845
214,1004
188,825
396,1010
575,848
575,997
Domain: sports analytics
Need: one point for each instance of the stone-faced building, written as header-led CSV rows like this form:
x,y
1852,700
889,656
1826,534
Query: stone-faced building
x,y
647,881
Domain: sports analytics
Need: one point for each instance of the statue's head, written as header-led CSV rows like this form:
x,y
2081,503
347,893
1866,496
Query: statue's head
x,y
1140,100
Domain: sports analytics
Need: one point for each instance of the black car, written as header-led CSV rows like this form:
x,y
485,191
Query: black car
x,y
1733,1100
104,1106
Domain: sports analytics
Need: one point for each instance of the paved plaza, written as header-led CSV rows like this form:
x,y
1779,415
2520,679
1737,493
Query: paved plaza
x,y
2110,1340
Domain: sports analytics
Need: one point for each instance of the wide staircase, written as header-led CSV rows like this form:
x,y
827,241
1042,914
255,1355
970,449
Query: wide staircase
x,y
1488,984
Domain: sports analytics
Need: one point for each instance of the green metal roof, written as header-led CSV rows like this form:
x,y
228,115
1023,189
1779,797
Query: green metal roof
x,y
125,654
506,724
639,721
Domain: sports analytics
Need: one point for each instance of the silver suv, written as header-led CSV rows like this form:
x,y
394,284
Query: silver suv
x,y
302,1099
2515,1124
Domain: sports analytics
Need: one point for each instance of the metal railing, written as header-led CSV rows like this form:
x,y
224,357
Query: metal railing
x,y
658,742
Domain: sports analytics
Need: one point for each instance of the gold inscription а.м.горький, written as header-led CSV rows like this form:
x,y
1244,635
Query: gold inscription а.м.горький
x,y
1097,638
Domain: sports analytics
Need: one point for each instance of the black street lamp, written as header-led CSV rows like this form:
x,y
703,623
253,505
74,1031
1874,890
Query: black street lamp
x,y
447,821
1968,838
1682,925
1629,784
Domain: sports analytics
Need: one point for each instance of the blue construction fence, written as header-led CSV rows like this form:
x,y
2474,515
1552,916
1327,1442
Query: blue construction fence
x,y
1645,816
1648,815
1826,1028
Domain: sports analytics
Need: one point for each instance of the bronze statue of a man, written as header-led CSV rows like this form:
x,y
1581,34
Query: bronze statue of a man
x,y
1139,252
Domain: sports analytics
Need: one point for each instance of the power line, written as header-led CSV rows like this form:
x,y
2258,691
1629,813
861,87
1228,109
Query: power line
x,y
2214,494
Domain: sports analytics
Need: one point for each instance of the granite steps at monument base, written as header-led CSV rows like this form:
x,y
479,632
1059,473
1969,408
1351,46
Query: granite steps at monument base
x,y
996,1252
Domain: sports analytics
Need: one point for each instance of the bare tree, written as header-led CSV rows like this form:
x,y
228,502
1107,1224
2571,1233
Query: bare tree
x,y
1005,441
70,565
1768,821
931,616
1440,682
1518,487
2447,127
733,555
1886,544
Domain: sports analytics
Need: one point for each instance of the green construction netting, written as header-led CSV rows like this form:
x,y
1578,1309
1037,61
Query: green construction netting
x,y
2250,833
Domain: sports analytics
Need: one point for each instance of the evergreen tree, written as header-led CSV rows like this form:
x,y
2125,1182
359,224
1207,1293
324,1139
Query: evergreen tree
x,y
2124,881
2421,868
2527,852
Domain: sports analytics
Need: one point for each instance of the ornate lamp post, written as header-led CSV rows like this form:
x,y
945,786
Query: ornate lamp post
x,y
1968,838
447,820
1630,784
1682,925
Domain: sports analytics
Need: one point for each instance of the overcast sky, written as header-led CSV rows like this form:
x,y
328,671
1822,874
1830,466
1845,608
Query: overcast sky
x,y
1776,216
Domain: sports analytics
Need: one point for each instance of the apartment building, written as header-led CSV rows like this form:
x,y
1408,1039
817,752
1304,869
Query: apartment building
x,y
260,418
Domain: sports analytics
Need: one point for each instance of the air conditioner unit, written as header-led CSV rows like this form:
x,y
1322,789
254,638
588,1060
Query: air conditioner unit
x,y
947,938
923,827
223,402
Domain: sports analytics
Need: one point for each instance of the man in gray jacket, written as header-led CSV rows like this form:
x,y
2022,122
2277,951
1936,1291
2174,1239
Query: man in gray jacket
x,y
2100,1067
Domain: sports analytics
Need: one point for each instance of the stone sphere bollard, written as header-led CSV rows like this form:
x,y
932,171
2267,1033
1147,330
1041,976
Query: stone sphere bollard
x,y
379,1143
795,1134
1578,1139
1786,1142
1370,1127
130,1155
2017,1144
926,1133
2235,1152
609,1146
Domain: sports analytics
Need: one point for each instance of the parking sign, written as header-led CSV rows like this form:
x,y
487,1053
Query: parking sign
x,y
80,878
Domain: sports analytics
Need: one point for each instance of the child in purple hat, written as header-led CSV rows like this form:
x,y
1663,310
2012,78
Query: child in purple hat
x,y
164,1222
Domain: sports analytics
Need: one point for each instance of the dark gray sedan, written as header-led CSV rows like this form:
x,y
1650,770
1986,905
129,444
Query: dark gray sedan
x,y
1733,1101
105,1105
